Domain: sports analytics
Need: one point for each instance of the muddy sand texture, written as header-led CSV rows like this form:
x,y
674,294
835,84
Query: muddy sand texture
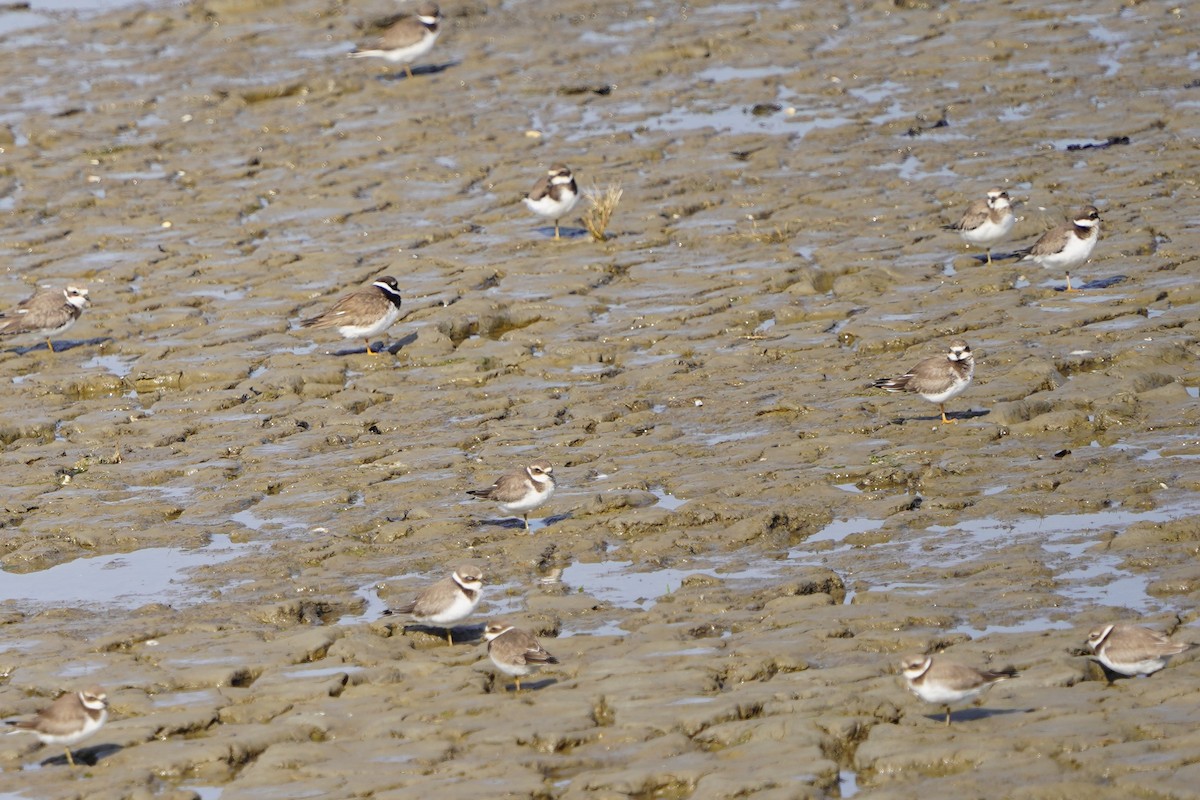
x,y
216,171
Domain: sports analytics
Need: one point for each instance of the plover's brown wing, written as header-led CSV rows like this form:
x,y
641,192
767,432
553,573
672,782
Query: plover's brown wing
x,y
1133,643
508,488
45,310
519,647
60,718
404,33
962,678
435,599
540,189
976,214
538,655
365,304
931,376
1051,242
403,608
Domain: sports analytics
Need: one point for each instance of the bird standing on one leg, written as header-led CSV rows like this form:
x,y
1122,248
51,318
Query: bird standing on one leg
x,y
1067,245
986,222
48,312
938,379
554,195
522,490
362,314
69,720
406,40
946,682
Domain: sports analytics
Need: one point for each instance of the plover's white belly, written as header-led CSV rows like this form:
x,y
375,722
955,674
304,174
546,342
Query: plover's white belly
x,y
527,503
954,390
1076,252
90,726
989,232
374,329
406,55
932,693
459,609
549,207
516,670
1143,667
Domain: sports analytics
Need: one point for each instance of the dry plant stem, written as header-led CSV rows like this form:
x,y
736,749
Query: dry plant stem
x,y
603,204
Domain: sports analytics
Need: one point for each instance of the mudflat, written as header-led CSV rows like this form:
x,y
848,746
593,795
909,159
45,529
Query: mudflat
x,y
206,508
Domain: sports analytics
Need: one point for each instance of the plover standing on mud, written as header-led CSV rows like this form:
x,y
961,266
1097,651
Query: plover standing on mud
x,y
987,221
447,601
406,40
554,195
938,379
522,490
48,312
1131,649
1068,245
948,683
69,720
362,314
515,652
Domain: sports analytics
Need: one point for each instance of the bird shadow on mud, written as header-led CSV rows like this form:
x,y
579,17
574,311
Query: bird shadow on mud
x,y
507,686
459,634
953,415
60,345
1099,283
547,231
518,524
972,714
392,349
424,69
982,260
88,756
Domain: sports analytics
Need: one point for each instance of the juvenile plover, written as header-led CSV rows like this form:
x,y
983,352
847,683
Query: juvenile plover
x,y
515,652
48,312
1131,649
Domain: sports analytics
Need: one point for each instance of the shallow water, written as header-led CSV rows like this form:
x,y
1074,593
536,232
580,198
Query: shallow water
x,y
129,580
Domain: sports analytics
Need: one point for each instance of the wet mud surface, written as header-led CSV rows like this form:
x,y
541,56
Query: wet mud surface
x,y
206,509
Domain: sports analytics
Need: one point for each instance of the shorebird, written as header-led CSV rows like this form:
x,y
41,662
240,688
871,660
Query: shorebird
x,y
1067,245
69,720
947,682
362,314
554,195
522,490
406,40
938,379
447,601
1131,649
987,221
515,652
48,312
